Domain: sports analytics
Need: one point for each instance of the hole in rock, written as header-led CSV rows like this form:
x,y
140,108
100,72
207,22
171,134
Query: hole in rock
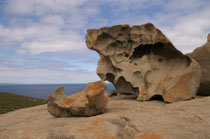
x,y
160,59
125,87
147,49
104,40
126,55
110,77
157,97
165,50
140,51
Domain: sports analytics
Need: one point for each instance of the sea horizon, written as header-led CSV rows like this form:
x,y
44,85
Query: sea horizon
x,y
44,90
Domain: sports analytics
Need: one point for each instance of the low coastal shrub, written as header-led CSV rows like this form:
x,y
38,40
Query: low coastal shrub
x,y
10,102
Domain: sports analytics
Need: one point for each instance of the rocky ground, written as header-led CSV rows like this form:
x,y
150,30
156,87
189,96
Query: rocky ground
x,y
124,118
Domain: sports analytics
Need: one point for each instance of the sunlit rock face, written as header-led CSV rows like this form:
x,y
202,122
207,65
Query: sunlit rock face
x,y
202,56
141,60
89,102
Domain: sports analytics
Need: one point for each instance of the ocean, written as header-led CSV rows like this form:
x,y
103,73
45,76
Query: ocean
x,y
44,90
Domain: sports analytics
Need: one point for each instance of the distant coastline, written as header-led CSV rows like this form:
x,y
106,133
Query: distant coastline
x,y
10,84
44,90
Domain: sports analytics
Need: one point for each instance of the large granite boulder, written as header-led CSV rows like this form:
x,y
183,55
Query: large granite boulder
x,y
140,60
202,56
124,119
91,101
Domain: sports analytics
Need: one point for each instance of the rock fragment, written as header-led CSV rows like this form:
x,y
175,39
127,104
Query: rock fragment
x,y
141,60
89,102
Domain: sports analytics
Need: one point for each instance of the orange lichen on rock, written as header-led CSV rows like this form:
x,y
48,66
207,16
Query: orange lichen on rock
x,y
91,101
148,135
93,89
106,99
79,94
68,101
84,99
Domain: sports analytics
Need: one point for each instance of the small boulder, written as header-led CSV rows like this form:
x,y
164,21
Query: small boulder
x,y
89,102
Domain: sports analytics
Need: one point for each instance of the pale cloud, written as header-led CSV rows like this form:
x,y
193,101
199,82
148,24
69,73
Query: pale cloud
x,y
98,23
75,13
185,25
42,27
40,38
20,33
42,75
52,19
35,48
185,6
38,63
188,31
55,26
127,5
41,7
132,19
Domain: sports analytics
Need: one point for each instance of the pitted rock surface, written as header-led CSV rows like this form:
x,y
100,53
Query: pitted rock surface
x,y
141,60
202,56
91,101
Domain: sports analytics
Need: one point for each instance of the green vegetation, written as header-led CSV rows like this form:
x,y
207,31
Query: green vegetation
x,y
10,102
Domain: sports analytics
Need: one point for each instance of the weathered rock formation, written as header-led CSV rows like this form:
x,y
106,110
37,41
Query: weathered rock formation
x,y
140,60
124,119
202,56
89,102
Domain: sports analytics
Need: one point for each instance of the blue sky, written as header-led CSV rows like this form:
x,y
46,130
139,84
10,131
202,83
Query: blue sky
x,y
42,41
